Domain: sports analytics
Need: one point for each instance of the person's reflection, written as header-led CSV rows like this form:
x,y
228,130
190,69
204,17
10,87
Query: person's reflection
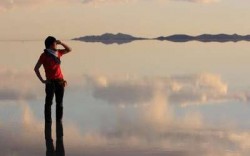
x,y
59,139
50,150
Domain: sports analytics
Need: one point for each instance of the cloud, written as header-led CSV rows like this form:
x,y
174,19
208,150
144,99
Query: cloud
x,y
181,90
157,132
26,136
10,4
199,1
156,126
24,85
18,85
128,1
126,90
154,130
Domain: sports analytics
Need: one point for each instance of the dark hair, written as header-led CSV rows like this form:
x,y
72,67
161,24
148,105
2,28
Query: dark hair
x,y
49,41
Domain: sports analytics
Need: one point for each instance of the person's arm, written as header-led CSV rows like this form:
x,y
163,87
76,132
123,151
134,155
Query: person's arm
x,y
66,49
36,69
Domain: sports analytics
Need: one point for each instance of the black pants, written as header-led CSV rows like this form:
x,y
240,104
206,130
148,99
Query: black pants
x,y
54,87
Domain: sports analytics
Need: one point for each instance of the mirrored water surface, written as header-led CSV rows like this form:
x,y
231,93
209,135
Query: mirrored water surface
x,y
144,98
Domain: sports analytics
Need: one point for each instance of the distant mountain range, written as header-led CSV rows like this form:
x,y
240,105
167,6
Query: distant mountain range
x,y
120,38
206,38
109,38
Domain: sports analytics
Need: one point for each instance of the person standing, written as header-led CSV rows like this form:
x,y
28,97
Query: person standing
x,y
54,82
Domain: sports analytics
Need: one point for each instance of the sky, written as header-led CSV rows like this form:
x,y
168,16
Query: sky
x,y
144,97
35,19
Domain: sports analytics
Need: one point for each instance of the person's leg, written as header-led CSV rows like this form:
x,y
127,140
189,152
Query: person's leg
x,y
49,89
59,92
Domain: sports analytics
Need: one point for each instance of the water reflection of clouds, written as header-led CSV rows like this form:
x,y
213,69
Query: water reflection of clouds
x,y
23,85
124,89
181,90
17,85
155,130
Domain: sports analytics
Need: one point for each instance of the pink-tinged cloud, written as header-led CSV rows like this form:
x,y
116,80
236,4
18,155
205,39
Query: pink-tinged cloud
x,y
199,1
129,1
18,85
24,85
181,90
10,4
122,90
157,132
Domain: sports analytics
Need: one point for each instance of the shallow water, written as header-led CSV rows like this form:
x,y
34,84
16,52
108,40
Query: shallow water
x,y
140,98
